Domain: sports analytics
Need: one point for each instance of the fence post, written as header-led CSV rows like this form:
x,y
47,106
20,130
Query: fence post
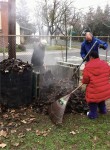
x,y
0,86
66,48
107,49
71,36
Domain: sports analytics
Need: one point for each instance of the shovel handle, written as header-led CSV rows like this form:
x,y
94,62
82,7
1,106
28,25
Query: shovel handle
x,y
84,58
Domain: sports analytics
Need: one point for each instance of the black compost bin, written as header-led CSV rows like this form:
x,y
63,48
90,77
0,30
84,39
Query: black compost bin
x,y
16,85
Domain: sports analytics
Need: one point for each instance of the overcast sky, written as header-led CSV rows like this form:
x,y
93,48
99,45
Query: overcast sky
x,y
86,3
77,3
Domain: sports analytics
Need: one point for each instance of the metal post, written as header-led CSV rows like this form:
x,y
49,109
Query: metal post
x,y
38,85
70,36
66,48
70,41
12,28
107,49
66,38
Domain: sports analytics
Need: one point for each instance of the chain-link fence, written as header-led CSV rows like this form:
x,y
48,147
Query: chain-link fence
x,y
56,48
61,58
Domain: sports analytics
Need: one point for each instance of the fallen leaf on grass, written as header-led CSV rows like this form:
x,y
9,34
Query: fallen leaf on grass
x,y
108,133
16,115
45,134
42,133
5,116
28,129
17,124
23,109
13,131
21,135
10,124
32,119
1,123
95,138
38,132
108,143
12,111
28,120
77,131
2,145
72,132
23,121
3,133
15,144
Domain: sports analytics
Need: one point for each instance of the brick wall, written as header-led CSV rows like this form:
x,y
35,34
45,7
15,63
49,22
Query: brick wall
x,y
4,24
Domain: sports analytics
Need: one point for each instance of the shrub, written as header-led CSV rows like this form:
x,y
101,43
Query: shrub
x,y
21,47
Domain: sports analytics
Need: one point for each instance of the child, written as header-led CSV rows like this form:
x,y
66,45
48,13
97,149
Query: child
x,y
96,75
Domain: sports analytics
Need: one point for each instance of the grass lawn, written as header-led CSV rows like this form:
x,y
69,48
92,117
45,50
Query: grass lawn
x,y
26,130
6,50
49,47
55,47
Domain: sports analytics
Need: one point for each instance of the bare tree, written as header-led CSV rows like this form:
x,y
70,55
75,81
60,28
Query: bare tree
x,y
50,15
106,16
37,16
23,15
22,12
98,21
88,20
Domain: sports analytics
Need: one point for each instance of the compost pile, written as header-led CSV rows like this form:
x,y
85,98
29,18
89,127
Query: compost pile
x,y
77,103
53,89
16,83
14,65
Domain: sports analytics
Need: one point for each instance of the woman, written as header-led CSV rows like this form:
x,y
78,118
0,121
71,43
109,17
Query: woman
x,y
96,75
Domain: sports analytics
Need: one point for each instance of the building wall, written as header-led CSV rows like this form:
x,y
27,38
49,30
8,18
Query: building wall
x,y
4,24
4,27
17,33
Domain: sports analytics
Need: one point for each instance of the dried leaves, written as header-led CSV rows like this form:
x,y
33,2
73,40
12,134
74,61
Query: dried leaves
x,y
28,120
53,88
2,145
3,133
15,144
42,133
16,65
72,132
17,122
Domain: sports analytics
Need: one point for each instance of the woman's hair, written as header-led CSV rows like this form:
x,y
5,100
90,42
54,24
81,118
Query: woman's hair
x,y
94,54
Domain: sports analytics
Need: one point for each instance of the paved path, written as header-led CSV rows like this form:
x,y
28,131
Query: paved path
x,y
51,57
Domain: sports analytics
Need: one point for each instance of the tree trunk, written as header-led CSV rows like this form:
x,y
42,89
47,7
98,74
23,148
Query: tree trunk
x,y
12,28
